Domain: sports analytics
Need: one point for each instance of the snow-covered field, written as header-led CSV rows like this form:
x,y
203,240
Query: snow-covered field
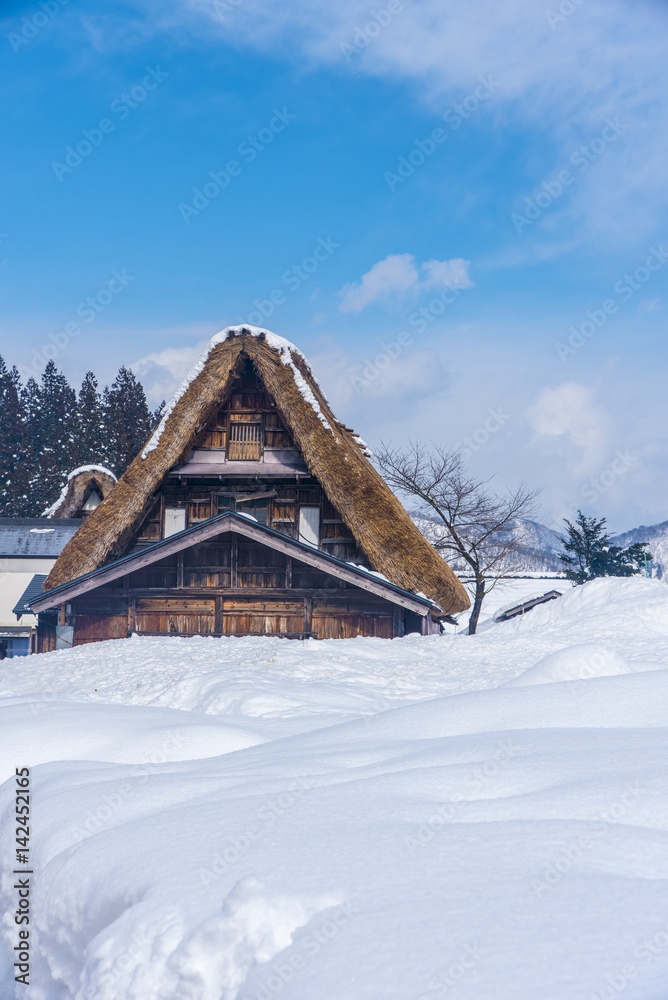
x,y
408,819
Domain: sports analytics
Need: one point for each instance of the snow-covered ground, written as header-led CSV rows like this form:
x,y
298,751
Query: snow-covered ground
x,y
408,819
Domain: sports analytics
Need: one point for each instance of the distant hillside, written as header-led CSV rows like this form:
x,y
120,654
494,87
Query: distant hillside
x,y
538,547
657,536
537,550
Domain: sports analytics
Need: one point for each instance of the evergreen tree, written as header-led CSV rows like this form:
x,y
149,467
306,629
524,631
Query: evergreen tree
x,y
128,420
91,431
51,425
157,415
15,472
589,554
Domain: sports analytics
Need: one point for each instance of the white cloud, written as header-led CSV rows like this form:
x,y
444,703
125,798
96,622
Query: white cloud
x,y
568,423
162,372
399,273
447,273
562,79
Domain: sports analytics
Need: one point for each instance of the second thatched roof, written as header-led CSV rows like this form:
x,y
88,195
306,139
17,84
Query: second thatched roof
x,y
80,484
379,523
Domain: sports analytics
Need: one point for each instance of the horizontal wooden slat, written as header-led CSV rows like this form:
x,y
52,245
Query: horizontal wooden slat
x,y
268,607
157,605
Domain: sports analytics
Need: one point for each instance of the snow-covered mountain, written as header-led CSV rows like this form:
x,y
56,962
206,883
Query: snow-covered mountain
x,y
537,550
657,537
539,547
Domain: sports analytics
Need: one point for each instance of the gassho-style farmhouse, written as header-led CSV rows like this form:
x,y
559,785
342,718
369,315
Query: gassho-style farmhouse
x,y
251,510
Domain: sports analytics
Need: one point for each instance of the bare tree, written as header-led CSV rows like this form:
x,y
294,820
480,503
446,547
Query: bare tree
x,y
462,517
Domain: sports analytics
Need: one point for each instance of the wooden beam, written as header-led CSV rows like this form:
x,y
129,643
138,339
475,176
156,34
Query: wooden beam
x,y
237,525
179,568
132,610
288,572
234,560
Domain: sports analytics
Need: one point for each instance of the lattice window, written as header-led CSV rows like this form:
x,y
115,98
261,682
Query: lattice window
x,y
245,439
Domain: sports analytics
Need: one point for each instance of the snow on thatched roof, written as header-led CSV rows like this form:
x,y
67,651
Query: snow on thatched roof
x,y
79,485
380,525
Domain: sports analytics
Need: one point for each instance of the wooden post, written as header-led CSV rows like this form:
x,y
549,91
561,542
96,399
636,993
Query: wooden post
x,y
218,620
179,570
234,553
288,572
132,615
308,614
398,624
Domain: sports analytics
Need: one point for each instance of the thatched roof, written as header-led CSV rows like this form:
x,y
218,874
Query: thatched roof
x,y
380,525
80,484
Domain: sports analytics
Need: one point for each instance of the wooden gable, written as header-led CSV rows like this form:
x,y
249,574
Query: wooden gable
x,y
244,459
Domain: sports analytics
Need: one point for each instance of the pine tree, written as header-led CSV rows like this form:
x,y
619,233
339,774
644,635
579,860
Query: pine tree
x,y
51,424
15,472
590,555
128,420
156,416
91,430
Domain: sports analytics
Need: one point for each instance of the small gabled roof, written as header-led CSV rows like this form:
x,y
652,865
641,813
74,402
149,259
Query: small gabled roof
x,y
242,524
34,590
79,485
380,525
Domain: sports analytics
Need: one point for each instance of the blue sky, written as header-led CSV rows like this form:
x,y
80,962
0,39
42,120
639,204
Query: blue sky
x,y
531,138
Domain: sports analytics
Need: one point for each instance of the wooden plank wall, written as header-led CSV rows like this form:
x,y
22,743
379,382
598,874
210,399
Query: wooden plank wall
x,y
234,586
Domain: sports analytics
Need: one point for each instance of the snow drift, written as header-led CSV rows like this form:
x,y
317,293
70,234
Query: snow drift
x,y
377,818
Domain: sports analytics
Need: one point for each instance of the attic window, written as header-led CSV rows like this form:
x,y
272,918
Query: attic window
x,y
93,501
245,439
